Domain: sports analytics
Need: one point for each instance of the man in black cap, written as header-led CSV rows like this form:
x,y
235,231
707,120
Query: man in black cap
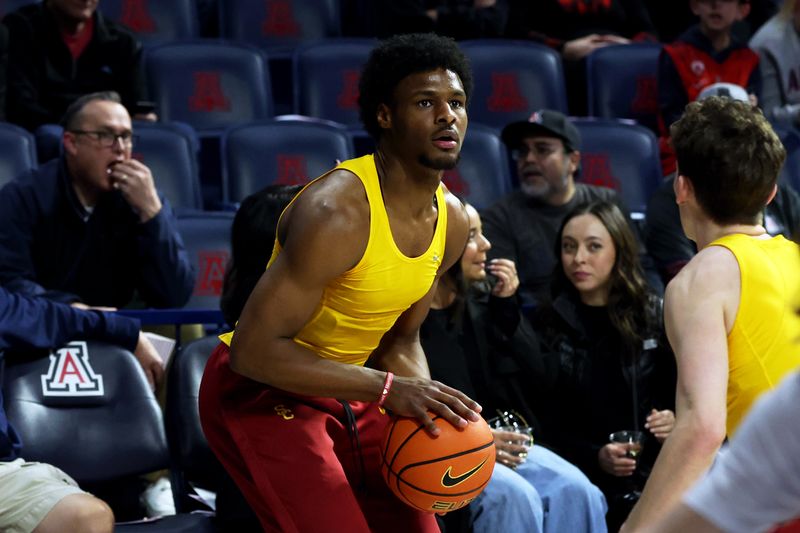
x,y
523,225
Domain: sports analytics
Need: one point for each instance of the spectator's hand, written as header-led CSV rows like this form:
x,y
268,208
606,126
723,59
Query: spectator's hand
x,y
613,460
507,453
151,362
135,182
149,117
579,48
84,307
753,99
507,279
660,423
416,397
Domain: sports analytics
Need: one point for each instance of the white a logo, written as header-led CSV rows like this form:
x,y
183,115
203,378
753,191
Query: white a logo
x,y
70,373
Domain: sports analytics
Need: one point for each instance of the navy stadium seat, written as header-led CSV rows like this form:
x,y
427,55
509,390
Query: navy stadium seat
x,y
155,21
7,6
207,237
326,77
87,409
286,151
621,155
623,83
791,168
17,152
209,85
482,174
512,80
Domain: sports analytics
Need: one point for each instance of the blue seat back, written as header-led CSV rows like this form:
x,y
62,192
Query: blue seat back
x,y
208,84
155,21
512,80
482,174
207,237
621,155
17,152
87,409
623,83
279,25
326,75
791,168
7,6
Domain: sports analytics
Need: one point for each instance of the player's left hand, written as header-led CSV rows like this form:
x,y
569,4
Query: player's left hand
x,y
660,423
507,279
151,362
135,181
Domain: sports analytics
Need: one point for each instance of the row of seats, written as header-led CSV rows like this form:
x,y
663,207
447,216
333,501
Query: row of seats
x,y
79,408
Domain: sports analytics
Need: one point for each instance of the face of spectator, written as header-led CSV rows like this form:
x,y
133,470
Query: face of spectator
x,y
89,156
719,15
473,260
544,169
588,256
427,120
76,10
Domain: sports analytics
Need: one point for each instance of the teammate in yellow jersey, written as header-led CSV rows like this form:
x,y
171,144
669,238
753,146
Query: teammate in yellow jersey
x,y
730,312
290,408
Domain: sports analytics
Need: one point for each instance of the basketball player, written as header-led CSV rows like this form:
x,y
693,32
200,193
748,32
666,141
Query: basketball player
x,y
729,313
290,408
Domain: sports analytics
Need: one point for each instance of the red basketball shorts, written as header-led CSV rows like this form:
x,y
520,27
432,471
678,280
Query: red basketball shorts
x,y
296,459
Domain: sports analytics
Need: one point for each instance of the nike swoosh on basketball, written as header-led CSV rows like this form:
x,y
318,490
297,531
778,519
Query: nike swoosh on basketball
x,y
449,481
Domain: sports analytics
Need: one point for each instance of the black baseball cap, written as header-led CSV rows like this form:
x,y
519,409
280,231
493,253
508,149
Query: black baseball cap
x,y
544,122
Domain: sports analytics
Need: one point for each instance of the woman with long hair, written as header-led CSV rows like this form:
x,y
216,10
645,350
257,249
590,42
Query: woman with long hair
x,y
606,363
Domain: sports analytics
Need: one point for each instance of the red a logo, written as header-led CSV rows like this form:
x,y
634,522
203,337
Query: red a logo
x,y
596,170
646,99
456,183
136,16
208,95
279,21
212,271
70,373
348,98
506,95
291,169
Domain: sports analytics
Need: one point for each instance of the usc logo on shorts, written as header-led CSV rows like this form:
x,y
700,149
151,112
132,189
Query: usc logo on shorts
x,y
283,411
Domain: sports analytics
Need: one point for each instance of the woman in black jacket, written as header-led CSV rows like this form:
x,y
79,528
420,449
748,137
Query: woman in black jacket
x,y
606,364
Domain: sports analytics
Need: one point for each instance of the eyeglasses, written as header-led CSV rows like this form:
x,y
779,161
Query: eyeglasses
x,y
106,139
544,150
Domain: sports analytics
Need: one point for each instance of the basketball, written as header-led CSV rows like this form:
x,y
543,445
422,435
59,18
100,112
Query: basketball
x,y
437,474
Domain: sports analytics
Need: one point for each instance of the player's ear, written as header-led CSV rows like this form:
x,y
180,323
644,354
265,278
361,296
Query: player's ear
x,y
384,117
683,188
773,193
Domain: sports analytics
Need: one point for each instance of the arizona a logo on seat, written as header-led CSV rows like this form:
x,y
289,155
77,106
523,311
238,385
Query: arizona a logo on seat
x,y
70,373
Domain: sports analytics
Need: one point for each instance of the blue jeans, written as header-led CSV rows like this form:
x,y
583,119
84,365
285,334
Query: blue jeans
x,y
545,494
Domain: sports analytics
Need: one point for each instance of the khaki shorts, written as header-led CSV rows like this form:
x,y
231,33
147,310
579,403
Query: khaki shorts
x,y
28,491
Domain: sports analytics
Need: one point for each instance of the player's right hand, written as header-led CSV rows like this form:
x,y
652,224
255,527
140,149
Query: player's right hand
x,y
419,397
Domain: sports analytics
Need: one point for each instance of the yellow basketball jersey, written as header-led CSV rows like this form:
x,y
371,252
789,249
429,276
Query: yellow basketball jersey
x,y
763,344
362,304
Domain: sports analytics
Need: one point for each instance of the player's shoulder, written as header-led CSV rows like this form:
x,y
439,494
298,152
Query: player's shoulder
x,y
456,213
339,198
713,267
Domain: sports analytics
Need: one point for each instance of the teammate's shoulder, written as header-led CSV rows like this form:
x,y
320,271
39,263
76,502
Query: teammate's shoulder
x,y
339,194
713,266
456,212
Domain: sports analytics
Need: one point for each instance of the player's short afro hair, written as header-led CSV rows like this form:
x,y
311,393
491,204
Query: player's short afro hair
x,y
398,57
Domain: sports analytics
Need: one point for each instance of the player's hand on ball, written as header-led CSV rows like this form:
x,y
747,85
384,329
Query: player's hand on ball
x,y
418,397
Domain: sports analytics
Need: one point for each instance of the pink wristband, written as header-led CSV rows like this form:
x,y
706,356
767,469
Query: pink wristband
x,y
387,386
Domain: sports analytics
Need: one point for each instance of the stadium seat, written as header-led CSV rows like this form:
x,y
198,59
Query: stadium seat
x,y
791,168
623,83
155,21
482,174
87,409
326,77
17,152
169,149
513,79
278,26
209,85
286,151
621,155
207,237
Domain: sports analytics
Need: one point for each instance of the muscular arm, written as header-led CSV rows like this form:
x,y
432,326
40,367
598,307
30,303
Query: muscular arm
x,y
699,310
332,211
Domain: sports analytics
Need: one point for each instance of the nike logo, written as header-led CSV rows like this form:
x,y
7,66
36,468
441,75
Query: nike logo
x,y
449,481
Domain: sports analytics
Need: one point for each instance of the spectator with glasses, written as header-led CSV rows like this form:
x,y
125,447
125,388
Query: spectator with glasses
x,y
523,225
90,228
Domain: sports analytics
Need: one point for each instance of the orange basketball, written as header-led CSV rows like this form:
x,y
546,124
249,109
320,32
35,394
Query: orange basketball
x,y
437,474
